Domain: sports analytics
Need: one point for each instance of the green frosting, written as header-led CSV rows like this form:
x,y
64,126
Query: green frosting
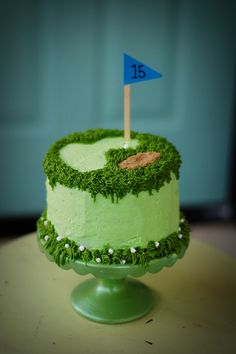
x,y
144,223
89,157
111,180
65,250
132,221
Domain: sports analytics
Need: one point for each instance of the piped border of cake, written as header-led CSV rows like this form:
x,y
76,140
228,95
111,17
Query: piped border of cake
x,y
113,181
63,250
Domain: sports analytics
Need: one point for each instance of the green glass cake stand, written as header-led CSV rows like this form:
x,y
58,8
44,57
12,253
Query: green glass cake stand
x,y
112,296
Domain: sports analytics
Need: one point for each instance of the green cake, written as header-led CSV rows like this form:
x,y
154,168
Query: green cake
x,y
112,204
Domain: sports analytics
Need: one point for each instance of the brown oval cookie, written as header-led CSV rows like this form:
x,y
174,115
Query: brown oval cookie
x,y
141,159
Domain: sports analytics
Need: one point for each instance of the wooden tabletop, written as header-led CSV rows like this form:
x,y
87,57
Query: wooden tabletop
x,y
194,311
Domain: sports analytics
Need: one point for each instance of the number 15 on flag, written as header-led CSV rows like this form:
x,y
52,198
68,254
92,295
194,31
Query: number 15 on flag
x,y
134,72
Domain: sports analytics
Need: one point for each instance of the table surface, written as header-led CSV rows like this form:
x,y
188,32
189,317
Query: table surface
x,y
194,311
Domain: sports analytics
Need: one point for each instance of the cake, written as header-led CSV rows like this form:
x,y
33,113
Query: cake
x,y
112,204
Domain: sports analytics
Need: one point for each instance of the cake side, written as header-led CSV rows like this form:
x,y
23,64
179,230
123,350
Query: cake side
x,y
132,221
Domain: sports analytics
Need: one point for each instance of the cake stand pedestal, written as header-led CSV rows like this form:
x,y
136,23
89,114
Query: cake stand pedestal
x,y
112,296
112,300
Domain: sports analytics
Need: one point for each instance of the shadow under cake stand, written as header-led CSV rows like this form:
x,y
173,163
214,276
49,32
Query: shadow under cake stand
x,y
112,296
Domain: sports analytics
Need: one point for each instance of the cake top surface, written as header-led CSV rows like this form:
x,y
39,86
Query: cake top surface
x,y
91,161
90,157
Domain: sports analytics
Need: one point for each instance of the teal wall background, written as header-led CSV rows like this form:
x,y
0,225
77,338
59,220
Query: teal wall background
x,y
61,71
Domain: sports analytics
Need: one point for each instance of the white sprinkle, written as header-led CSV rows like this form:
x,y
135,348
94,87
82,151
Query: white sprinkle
x,y
98,260
180,236
132,250
46,237
67,245
182,220
81,248
179,228
126,145
59,238
157,244
110,251
45,222
123,261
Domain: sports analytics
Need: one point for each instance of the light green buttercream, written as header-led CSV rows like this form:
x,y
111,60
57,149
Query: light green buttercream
x,y
134,220
88,157
92,202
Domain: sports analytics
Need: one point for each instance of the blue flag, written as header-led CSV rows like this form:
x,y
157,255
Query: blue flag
x,y
135,71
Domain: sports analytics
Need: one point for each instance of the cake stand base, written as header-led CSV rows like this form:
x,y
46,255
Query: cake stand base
x,y
112,300
113,297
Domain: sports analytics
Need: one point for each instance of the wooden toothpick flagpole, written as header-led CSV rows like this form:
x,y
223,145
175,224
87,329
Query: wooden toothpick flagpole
x,y
134,71
127,114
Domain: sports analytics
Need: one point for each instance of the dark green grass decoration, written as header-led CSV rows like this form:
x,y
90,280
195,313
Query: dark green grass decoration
x,y
112,180
66,250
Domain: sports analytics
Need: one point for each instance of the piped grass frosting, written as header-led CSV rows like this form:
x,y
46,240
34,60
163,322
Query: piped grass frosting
x,y
112,180
64,250
87,172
